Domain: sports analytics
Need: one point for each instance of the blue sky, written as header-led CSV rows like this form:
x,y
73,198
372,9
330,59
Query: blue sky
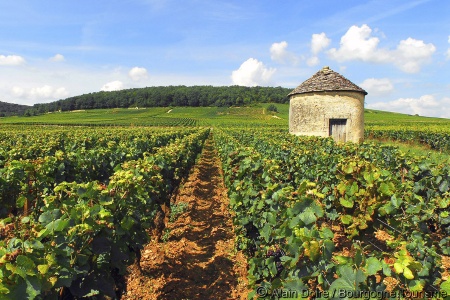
x,y
398,50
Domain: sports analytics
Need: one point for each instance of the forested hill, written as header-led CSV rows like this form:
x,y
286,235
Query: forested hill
x,y
9,109
169,96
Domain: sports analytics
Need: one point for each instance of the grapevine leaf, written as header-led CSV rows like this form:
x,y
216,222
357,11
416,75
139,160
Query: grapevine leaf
x,y
49,216
265,232
308,216
385,188
43,269
20,202
386,268
34,287
15,270
318,210
373,265
415,286
341,188
342,260
26,265
271,218
313,249
445,286
346,219
396,201
353,189
245,221
106,201
408,273
398,268
341,284
34,244
326,233
3,289
43,233
127,223
368,177
328,249
415,266
272,266
386,209
294,222
57,225
358,258
443,187
348,169
346,202
18,291
359,277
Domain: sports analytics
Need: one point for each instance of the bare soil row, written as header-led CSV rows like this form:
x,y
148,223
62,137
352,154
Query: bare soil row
x,y
195,257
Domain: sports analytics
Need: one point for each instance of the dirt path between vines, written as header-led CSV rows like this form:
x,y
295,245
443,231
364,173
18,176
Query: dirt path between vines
x,y
197,260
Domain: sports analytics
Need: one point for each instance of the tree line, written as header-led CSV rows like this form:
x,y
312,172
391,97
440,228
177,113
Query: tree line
x,y
12,109
167,96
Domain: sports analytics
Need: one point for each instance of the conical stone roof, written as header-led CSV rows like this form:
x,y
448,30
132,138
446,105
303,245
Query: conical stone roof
x,y
326,80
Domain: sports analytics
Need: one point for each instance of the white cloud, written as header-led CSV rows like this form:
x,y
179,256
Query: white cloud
x,y
426,105
319,42
252,73
412,53
137,73
279,53
40,94
112,86
312,61
17,92
11,60
377,87
57,58
359,44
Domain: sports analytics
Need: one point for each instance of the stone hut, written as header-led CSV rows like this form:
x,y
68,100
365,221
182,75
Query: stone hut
x,y
328,104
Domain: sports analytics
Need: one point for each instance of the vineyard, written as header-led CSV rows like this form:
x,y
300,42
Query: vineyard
x,y
316,218
76,204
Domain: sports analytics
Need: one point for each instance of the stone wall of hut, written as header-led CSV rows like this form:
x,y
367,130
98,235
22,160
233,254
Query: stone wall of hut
x,y
310,113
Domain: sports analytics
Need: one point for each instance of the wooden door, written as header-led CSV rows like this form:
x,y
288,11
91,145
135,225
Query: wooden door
x,y
338,129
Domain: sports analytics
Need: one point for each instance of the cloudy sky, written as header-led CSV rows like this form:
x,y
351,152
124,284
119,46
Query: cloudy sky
x,y
398,50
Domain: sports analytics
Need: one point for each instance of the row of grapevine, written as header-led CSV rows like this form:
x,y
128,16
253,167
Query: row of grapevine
x,y
152,121
315,216
80,235
33,142
439,141
29,170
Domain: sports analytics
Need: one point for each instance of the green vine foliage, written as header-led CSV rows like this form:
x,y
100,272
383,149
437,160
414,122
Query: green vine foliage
x,y
339,218
76,235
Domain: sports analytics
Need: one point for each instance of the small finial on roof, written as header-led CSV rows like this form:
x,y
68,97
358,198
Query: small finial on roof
x,y
326,68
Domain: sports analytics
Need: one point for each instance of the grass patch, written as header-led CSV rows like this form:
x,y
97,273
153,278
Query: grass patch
x,y
175,211
417,150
